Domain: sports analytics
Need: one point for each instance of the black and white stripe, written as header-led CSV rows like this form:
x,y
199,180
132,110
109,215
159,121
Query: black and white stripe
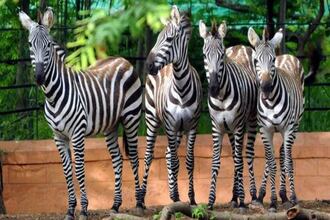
x,y
79,104
173,99
232,105
280,108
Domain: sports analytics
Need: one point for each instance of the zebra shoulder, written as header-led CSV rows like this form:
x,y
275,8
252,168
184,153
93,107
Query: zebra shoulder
x,y
110,65
291,66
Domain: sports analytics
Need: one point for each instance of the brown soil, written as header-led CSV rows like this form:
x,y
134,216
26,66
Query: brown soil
x,y
323,206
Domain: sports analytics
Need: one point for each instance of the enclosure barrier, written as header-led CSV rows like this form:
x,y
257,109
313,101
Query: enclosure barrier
x,y
34,180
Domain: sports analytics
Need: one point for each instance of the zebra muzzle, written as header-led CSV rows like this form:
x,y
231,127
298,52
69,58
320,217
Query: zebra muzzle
x,y
40,73
214,85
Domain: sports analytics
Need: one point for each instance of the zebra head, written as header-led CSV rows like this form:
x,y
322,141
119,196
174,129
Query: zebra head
x,y
264,58
172,42
214,53
39,41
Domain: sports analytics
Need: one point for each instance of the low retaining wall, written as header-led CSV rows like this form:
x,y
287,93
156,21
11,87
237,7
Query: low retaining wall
x,y
34,180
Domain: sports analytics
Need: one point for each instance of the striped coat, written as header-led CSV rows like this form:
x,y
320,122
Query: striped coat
x,y
232,105
280,108
173,99
84,103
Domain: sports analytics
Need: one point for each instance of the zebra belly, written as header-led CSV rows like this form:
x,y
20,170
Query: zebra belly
x,y
225,120
181,119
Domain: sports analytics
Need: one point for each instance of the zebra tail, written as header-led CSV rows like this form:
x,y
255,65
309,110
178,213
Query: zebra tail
x,y
125,144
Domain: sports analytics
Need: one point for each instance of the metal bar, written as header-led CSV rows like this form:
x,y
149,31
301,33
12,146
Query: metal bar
x,y
17,86
20,110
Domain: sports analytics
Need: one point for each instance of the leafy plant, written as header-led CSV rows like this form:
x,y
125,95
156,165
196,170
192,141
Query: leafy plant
x,y
178,215
200,211
156,216
99,29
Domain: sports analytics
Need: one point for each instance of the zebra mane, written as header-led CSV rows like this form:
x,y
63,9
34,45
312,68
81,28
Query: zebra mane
x,y
185,23
265,34
214,29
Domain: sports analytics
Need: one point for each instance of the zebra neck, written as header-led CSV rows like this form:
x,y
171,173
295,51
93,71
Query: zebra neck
x,y
225,85
56,79
276,93
181,72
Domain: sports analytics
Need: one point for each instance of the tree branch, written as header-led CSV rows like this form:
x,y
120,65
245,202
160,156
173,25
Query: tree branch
x,y
311,28
233,6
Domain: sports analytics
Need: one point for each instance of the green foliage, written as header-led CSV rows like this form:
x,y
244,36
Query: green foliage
x,y
157,215
179,215
200,211
99,29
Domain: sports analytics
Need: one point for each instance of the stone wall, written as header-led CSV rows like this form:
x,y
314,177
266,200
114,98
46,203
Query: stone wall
x,y
34,180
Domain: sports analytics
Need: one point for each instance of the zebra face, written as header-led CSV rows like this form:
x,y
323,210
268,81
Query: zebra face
x,y
168,46
39,42
214,54
264,57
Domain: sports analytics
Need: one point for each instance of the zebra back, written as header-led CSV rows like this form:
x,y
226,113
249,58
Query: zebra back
x,y
291,66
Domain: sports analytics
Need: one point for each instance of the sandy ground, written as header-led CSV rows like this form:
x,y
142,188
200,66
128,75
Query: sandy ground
x,y
150,211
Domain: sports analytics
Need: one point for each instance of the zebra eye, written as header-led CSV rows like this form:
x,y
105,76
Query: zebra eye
x,y
273,60
255,61
30,44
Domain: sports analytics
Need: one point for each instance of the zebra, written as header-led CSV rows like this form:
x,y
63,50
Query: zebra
x,y
84,103
232,106
280,108
173,98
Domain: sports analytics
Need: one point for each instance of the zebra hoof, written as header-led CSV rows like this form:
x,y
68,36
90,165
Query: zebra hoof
x,y
272,209
138,211
233,204
257,206
69,217
82,217
113,211
210,207
287,205
193,202
242,210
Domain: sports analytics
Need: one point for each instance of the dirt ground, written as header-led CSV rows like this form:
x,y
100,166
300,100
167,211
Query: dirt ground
x,y
150,211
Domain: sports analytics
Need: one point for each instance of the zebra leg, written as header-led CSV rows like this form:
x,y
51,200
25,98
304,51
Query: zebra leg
x,y
239,135
63,147
191,137
216,162
152,127
79,154
234,202
117,163
267,138
131,126
172,162
282,192
262,190
251,136
288,163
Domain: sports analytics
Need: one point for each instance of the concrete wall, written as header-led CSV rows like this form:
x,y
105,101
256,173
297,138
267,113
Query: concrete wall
x,y
34,180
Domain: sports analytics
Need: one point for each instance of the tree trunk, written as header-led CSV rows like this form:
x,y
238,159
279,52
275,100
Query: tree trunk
x,y
78,5
42,5
270,17
282,24
22,74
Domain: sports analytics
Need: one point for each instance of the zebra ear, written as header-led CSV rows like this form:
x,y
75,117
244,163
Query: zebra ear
x,y
175,15
26,20
222,29
202,29
48,18
253,37
276,40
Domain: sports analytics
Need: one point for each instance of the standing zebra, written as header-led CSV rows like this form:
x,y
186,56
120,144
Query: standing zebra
x,y
173,98
280,108
232,104
79,104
